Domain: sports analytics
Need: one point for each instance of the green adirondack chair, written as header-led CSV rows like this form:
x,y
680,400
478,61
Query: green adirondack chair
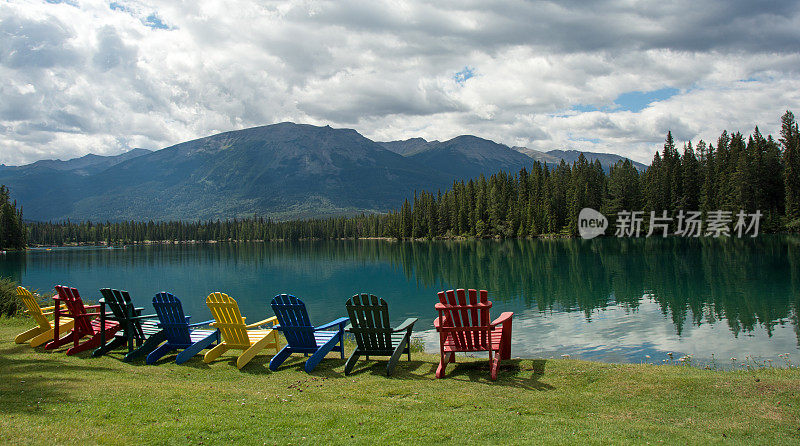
x,y
137,329
369,323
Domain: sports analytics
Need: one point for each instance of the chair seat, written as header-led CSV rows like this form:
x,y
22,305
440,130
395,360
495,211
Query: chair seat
x,y
465,341
256,335
97,326
324,336
320,338
150,327
389,350
199,335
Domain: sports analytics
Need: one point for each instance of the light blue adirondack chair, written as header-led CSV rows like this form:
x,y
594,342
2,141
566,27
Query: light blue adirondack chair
x,y
301,336
180,334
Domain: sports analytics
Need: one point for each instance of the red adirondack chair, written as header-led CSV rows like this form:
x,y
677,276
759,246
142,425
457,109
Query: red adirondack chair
x,y
465,327
85,322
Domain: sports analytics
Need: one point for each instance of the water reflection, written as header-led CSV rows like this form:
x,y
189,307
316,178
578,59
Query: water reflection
x,y
612,299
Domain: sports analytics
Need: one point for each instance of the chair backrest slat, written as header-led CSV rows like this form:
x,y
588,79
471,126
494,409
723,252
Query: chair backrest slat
x,y
465,314
294,322
369,316
228,319
173,321
75,307
34,310
121,306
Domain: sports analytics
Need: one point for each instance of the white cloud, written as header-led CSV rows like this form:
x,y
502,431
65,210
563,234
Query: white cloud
x,y
84,77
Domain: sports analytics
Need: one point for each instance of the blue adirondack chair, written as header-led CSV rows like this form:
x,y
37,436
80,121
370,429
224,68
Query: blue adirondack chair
x,y
301,336
180,334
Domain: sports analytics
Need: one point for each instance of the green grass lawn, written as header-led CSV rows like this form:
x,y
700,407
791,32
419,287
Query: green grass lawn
x,y
47,397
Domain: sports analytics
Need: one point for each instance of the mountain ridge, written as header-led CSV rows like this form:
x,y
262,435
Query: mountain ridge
x,y
282,171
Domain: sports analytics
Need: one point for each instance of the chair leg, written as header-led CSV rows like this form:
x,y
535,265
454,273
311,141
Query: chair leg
x,y
276,338
495,365
30,334
158,353
111,345
93,342
505,341
196,348
48,335
446,359
215,352
42,338
320,354
147,346
351,362
248,354
64,340
341,340
398,351
278,359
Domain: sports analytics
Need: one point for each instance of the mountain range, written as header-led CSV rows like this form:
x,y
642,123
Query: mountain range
x,y
282,171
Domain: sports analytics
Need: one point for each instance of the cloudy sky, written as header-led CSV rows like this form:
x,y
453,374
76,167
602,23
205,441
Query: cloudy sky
x,y
83,76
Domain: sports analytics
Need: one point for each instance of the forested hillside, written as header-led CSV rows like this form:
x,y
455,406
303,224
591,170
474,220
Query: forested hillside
x,y
734,173
12,230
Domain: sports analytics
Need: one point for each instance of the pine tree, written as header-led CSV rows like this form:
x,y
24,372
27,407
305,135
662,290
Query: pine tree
x,y
690,168
790,140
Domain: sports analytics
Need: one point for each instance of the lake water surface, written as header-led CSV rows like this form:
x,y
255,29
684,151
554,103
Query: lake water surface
x,y
615,300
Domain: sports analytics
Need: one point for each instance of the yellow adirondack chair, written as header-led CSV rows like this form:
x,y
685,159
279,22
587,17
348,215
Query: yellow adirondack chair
x,y
44,332
235,334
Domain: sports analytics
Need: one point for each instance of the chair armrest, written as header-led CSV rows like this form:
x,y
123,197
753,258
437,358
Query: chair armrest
x,y
273,319
408,324
197,324
146,316
340,322
505,317
479,306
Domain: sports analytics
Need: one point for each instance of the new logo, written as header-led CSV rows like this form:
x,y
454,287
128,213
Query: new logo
x,y
591,223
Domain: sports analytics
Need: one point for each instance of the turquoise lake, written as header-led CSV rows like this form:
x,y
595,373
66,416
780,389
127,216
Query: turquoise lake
x,y
614,300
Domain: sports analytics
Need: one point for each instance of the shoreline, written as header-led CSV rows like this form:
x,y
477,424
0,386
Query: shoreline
x,y
386,239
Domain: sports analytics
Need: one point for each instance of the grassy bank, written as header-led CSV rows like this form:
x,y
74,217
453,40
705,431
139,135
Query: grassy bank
x,y
47,397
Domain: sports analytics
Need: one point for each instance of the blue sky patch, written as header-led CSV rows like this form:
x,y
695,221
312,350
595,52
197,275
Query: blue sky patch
x,y
585,108
155,22
633,101
117,7
637,100
463,75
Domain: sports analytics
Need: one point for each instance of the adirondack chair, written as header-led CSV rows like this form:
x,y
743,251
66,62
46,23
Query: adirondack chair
x,y
301,336
179,333
369,323
136,328
44,331
235,334
465,327
86,323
